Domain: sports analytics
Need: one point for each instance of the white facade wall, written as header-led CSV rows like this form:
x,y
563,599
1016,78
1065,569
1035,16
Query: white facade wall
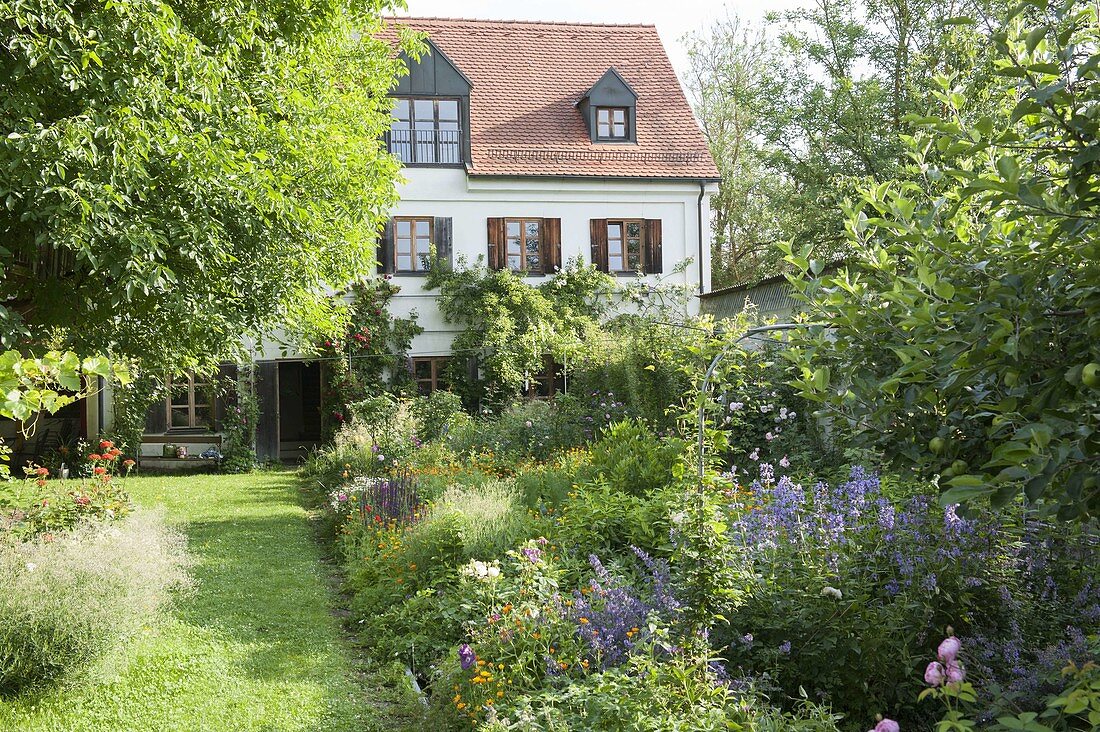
x,y
469,202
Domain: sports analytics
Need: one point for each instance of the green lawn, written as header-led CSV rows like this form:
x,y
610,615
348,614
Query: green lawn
x,y
256,647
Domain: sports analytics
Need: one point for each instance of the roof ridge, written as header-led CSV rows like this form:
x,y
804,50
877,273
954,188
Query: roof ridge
x,y
512,21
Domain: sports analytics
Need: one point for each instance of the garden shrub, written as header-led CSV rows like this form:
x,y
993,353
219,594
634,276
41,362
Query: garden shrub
x,y
598,518
533,429
546,486
69,597
634,460
238,426
436,413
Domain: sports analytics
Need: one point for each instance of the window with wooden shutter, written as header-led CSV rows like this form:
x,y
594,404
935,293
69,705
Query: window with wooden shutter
x,y
523,245
598,231
412,243
626,246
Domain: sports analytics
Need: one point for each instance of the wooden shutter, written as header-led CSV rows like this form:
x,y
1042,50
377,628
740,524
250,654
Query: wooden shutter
x,y
551,245
385,249
654,252
497,255
227,393
599,243
444,247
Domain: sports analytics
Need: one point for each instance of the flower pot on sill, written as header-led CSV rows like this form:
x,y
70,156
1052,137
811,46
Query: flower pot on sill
x,y
169,450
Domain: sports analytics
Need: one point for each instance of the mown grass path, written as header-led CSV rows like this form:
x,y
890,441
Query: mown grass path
x,y
255,647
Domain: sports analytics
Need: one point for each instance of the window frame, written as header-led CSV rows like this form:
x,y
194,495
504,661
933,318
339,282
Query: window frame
x,y
623,239
547,377
437,145
435,382
418,266
611,136
523,253
191,406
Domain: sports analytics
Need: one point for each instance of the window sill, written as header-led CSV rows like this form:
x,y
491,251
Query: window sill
x,y
401,273
629,273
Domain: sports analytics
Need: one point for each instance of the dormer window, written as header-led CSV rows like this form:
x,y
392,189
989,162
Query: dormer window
x,y
611,123
426,131
610,109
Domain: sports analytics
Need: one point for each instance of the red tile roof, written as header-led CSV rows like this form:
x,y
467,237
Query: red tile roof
x,y
526,78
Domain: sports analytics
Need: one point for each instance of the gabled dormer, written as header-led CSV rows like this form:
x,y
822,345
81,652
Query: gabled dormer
x,y
609,109
430,122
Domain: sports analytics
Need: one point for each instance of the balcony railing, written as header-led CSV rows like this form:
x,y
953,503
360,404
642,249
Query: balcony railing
x,y
426,147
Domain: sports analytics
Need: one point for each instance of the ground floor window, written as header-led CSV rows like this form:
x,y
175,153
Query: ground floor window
x,y
190,403
549,380
428,373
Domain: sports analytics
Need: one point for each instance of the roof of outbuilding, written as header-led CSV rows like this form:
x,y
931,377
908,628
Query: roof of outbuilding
x,y
526,78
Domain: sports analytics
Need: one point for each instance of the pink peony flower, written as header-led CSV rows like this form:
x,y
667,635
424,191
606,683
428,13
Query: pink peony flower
x,y
949,649
955,673
934,674
887,725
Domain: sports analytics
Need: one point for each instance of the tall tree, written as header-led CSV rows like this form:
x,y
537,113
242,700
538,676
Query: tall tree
x,y
177,174
729,64
798,119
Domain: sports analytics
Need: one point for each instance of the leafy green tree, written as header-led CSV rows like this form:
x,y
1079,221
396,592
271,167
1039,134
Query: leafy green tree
x,y
965,332
177,174
730,63
801,116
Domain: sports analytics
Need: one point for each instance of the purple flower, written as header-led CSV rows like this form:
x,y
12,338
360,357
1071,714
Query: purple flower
x,y
955,673
785,647
887,725
949,649
466,656
532,554
934,674
784,462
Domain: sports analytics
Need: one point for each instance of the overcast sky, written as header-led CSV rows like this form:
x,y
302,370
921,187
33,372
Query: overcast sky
x,y
673,18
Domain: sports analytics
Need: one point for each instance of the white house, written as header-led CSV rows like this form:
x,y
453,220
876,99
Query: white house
x,y
526,144
530,144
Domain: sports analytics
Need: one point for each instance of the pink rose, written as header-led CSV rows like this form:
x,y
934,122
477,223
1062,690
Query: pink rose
x,y
955,673
949,649
934,674
887,725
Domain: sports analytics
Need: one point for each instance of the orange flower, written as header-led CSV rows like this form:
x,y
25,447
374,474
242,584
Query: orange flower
x,y
106,444
95,456
99,470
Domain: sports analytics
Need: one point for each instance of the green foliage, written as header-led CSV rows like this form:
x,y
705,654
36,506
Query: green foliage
x,y
180,174
532,430
29,386
599,519
130,406
70,598
963,332
799,116
238,426
437,413
632,460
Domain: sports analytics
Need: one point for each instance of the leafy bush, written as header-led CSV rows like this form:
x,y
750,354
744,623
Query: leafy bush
x,y
525,430
239,424
598,518
436,413
70,597
633,460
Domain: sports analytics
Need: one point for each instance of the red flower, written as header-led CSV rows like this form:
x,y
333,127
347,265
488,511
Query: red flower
x,y
43,471
104,444
95,456
128,463
82,500
100,470
40,484
105,478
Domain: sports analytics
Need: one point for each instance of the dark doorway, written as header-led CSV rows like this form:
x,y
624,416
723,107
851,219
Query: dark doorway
x,y
299,408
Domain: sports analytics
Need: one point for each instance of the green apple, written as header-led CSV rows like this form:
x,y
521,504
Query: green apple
x,y
937,445
959,466
1090,375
